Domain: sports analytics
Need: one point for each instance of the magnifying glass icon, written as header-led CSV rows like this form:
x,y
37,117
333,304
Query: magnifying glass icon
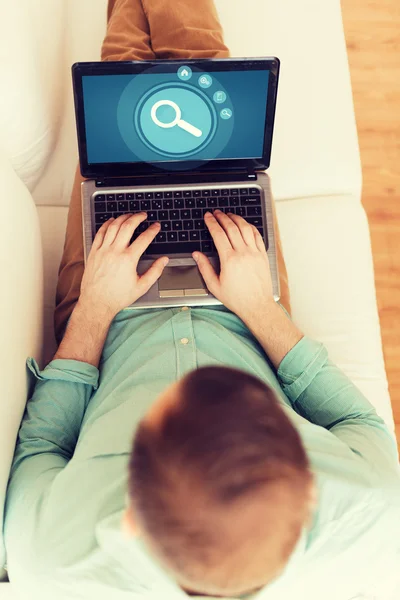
x,y
176,121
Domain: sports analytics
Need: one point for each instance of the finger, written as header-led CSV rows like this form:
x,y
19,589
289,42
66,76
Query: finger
x,y
231,229
258,239
207,271
144,240
125,228
99,237
150,277
219,236
245,229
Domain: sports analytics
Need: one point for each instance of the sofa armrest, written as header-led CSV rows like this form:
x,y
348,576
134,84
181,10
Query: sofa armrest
x,y
21,309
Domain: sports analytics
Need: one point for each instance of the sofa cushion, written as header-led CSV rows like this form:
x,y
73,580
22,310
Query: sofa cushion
x,y
25,120
20,312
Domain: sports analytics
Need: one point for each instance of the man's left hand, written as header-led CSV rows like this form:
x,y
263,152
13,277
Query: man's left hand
x,y
110,281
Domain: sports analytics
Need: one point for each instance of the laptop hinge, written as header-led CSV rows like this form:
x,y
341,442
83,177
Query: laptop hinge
x,y
177,178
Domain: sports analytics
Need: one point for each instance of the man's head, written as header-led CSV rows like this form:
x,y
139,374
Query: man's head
x,y
219,482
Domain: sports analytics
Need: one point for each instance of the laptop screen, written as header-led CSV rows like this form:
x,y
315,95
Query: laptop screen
x,y
174,115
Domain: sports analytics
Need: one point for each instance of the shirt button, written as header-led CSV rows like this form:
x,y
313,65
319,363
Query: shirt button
x,y
185,308
184,341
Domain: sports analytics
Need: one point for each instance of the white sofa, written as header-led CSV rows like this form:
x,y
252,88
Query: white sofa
x,y
315,170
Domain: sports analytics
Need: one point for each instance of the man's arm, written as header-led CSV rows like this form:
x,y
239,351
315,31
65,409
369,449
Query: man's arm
x,y
85,334
323,394
276,333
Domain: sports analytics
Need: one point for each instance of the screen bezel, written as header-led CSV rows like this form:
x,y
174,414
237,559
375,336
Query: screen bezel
x,y
95,170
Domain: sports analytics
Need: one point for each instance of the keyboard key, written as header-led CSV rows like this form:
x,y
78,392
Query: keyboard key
x,y
100,198
142,227
257,221
196,213
201,203
215,193
173,248
223,201
111,206
244,191
101,206
156,204
178,194
172,236
167,194
254,191
130,196
145,205
195,236
187,194
158,195
139,196
167,204
177,225
165,225
206,193
234,200
241,210
190,203
120,196
178,203
250,200
134,205
118,214
205,235
199,224
161,237
212,202
203,211
149,195
187,225
174,214
185,214
225,192
252,211
234,192
163,215
206,246
196,193
111,197
123,206
183,236
152,215
102,217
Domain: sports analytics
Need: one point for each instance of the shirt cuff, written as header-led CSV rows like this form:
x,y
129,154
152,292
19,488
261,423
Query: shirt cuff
x,y
66,370
300,366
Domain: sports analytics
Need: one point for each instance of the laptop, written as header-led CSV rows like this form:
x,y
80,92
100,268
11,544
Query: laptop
x,y
177,138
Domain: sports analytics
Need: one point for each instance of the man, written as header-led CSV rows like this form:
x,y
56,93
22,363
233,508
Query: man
x,y
206,451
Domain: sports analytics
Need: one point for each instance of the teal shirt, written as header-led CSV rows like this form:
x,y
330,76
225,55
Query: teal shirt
x,y
68,484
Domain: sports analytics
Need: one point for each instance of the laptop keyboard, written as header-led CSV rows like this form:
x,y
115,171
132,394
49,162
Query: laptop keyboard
x,y
181,214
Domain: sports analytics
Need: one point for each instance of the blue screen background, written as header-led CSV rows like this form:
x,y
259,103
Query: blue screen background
x,y
247,92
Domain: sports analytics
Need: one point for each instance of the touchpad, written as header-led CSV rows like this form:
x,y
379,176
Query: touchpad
x,y
183,280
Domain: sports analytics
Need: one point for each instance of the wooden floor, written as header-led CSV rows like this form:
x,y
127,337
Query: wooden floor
x,y
372,30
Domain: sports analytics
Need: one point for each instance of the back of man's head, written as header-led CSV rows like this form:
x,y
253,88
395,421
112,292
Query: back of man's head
x,y
220,485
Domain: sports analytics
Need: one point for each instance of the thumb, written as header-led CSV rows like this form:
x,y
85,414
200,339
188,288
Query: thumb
x,y
207,271
152,274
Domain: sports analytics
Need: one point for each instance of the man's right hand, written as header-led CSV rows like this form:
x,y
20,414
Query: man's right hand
x,y
244,284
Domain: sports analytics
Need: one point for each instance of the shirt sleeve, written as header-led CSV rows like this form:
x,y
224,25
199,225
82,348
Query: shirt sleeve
x,y
52,420
320,392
